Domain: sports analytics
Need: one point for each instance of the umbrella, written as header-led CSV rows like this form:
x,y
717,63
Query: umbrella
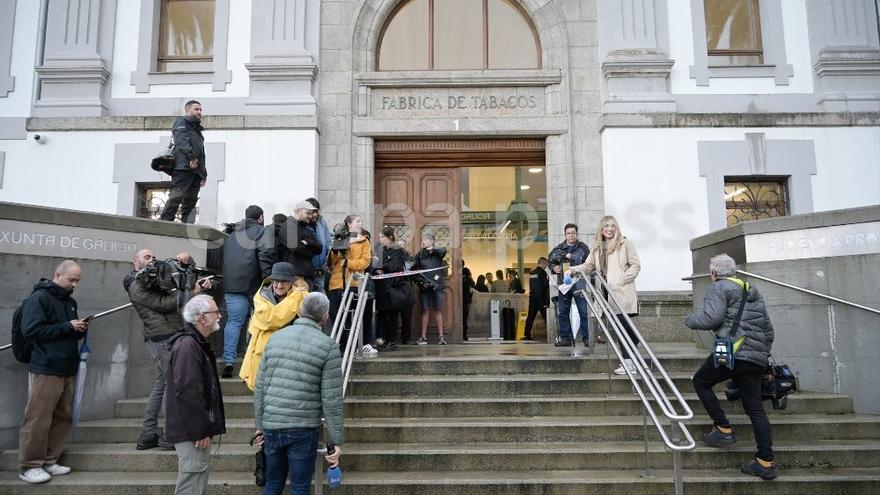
x,y
84,352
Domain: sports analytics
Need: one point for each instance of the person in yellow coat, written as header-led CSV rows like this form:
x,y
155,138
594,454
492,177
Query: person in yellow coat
x,y
276,305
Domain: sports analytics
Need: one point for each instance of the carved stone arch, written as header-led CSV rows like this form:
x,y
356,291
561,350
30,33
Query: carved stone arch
x,y
549,26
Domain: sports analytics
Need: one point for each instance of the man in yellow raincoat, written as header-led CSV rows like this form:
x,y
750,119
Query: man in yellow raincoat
x,y
276,304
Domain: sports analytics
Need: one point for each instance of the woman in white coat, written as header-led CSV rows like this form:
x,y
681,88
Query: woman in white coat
x,y
615,257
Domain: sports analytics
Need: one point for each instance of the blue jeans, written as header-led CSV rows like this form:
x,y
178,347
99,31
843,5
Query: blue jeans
x,y
238,306
564,309
290,452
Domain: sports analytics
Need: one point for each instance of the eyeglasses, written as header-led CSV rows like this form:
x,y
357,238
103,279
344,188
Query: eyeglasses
x,y
210,312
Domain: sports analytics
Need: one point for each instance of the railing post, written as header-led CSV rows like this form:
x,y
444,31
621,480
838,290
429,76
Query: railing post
x,y
676,460
647,472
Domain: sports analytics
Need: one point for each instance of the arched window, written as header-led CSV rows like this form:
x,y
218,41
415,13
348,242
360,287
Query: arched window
x,y
458,34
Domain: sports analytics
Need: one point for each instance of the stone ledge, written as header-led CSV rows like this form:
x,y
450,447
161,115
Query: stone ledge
x,y
782,119
103,221
794,222
164,123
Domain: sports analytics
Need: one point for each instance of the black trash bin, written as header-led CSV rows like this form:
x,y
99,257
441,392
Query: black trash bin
x,y
508,321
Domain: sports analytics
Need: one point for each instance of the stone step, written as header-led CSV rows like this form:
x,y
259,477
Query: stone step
x,y
417,407
497,385
819,481
687,360
488,456
792,427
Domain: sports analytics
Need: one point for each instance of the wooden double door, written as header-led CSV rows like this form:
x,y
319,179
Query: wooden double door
x,y
417,201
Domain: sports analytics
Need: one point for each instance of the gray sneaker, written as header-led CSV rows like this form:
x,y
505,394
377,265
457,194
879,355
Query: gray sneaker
x,y
422,341
442,340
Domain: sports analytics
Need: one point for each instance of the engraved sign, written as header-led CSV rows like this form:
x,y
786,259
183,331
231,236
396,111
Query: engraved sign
x,y
62,241
438,102
820,242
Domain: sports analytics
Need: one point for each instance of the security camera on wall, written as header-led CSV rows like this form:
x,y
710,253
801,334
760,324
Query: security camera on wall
x,y
40,138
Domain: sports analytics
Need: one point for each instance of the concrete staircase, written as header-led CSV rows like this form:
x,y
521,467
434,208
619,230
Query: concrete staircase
x,y
511,419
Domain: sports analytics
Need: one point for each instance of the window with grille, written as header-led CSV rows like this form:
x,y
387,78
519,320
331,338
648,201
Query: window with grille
x,y
753,198
733,32
186,36
151,200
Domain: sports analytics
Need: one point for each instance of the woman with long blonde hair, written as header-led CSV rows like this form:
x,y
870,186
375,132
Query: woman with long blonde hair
x,y
616,258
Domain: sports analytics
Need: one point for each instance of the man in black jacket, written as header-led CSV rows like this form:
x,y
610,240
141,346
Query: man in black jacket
x,y
568,253
539,295
299,244
50,323
189,173
431,285
248,256
194,405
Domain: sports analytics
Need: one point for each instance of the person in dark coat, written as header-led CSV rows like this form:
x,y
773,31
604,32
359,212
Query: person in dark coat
x,y
432,285
752,339
49,322
194,404
300,245
467,297
515,285
190,172
481,286
393,296
248,256
539,295
568,253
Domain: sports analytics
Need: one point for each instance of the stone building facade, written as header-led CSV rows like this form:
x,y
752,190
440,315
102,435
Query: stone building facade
x,y
645,109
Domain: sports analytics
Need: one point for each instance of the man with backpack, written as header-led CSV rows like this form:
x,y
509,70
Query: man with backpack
x,y
189,174
50,329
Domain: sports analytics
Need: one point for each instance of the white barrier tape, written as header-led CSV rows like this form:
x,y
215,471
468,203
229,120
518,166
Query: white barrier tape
x,y
404,273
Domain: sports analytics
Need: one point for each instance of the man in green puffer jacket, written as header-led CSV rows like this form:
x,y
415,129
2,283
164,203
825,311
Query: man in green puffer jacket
x,y
300,380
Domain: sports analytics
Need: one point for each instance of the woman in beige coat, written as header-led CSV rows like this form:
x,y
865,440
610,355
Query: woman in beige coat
x,y
616,259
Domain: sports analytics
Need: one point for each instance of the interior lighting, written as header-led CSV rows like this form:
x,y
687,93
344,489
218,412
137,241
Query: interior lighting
x,y
525,187
536,170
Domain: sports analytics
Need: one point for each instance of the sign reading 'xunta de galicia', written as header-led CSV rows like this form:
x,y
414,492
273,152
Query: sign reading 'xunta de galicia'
x,y
458,101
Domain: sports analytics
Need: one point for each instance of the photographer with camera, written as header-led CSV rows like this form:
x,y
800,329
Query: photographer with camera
x,y
298,245
736,313
431,285
155,296
350,251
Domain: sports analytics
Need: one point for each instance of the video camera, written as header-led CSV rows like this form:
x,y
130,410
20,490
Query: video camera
x,y
777,383
172,274
341,238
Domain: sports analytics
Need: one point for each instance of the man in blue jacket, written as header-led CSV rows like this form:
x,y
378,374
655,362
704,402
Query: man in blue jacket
x,y
189,173
50,323
322,232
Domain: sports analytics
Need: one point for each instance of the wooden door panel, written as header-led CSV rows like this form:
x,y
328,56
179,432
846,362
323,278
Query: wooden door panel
x,y
436,194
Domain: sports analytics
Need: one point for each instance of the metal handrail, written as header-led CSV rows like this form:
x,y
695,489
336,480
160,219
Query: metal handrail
x,y
794,287
678,429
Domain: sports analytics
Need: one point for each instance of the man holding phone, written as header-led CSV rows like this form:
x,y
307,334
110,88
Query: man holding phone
x,y
50,323
159,312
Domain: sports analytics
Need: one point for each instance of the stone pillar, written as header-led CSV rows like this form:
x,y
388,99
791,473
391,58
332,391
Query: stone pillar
x,y
282,68
77,58
846,54
7,23
634,42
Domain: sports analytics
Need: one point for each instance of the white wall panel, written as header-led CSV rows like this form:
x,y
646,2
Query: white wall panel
x,y
24,47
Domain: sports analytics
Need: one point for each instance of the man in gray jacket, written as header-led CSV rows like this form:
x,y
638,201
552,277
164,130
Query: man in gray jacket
x,y
300,379
159,312
752,338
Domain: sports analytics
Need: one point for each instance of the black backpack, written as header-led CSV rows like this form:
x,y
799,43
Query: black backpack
x,y
21,347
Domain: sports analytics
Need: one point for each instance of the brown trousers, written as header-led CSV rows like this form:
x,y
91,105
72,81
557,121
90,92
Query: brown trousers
x,y
48,419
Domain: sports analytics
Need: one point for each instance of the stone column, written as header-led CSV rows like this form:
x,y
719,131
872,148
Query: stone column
x,y
282,68
846,54
77,58
7,23
634,43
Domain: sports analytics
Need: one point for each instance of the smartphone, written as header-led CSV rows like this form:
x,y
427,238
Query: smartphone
x,y
331,449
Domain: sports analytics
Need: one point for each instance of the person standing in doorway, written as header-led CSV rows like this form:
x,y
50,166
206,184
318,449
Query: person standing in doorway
x,y
539,295
50,324
467,297
431,285
570,252
190,173
499,285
